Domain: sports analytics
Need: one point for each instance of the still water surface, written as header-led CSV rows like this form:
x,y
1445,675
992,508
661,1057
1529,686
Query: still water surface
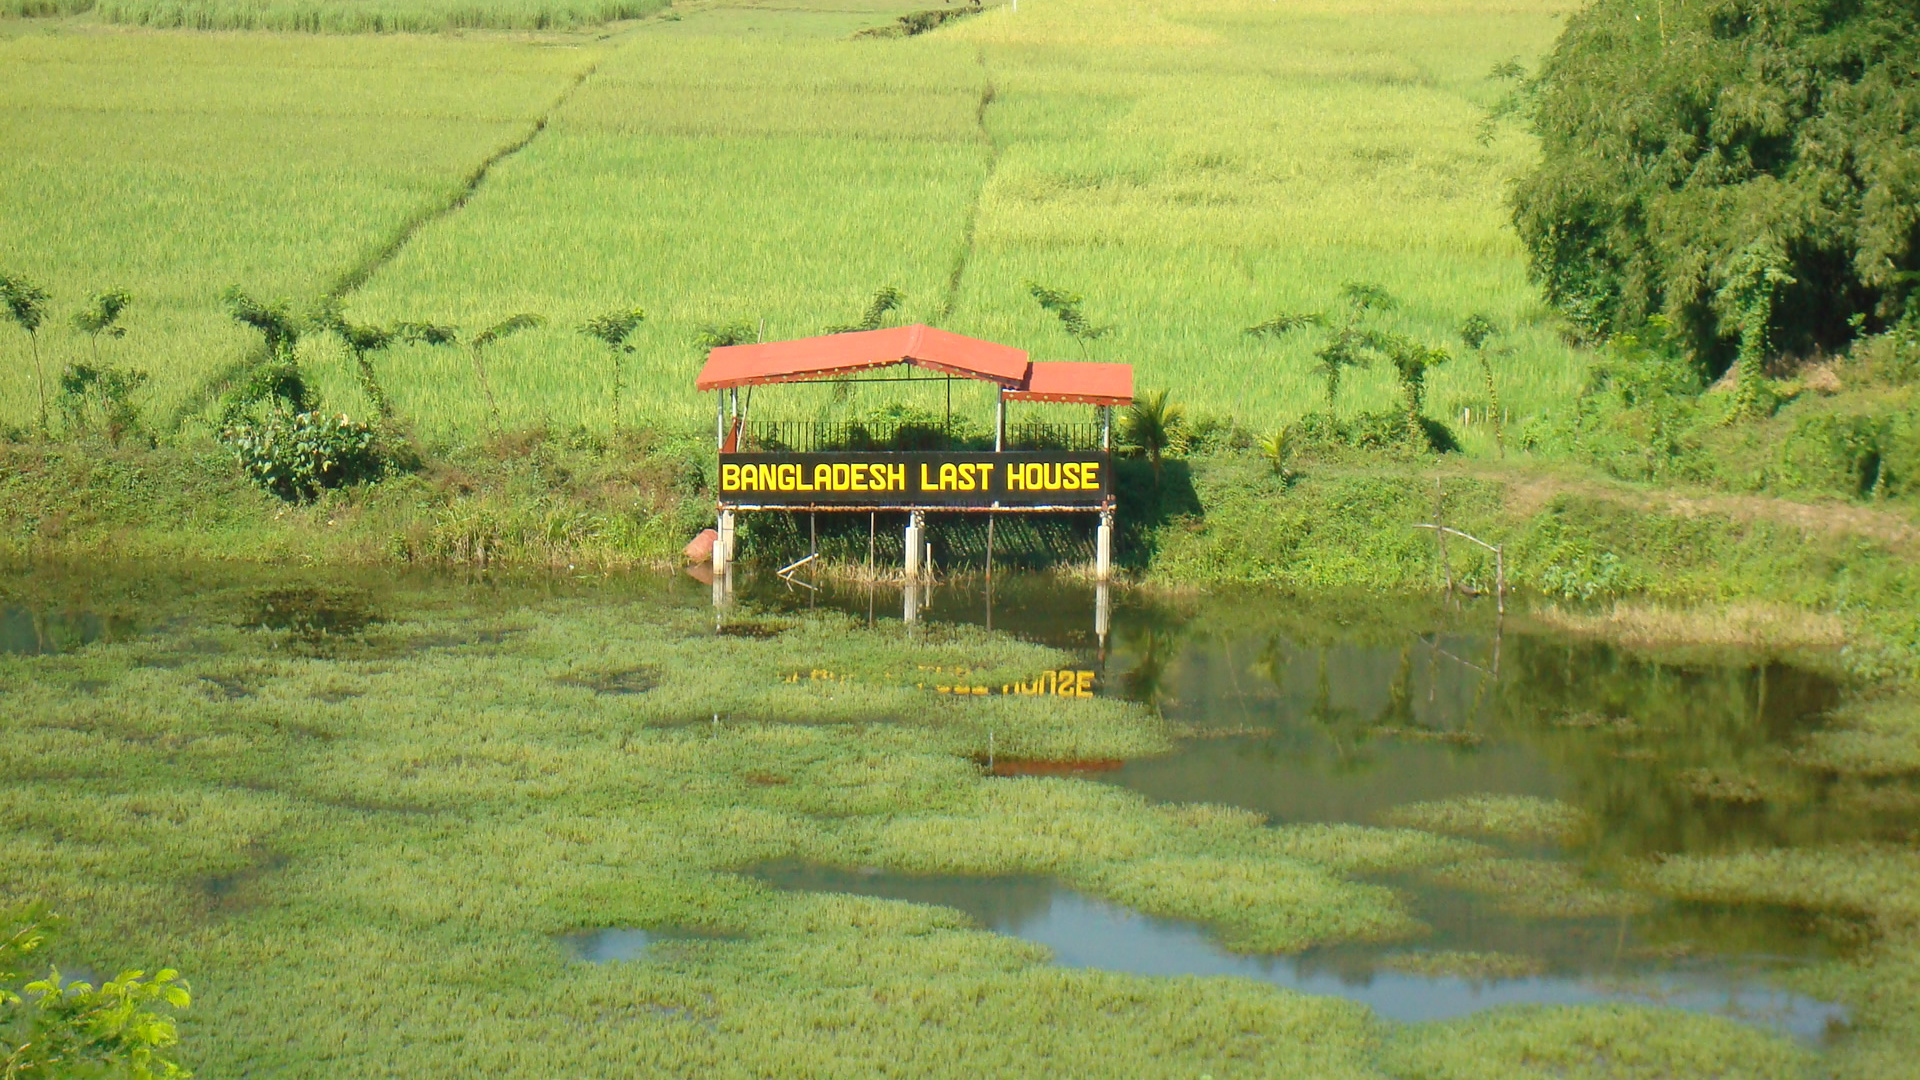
x,y
1325,710
1330,710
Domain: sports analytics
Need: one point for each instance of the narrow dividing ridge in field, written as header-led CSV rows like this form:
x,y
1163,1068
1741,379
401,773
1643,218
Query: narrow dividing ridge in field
x,y
359,274
973,211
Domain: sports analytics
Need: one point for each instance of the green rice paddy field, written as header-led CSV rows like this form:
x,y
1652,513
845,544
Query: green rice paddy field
x,y
1191,168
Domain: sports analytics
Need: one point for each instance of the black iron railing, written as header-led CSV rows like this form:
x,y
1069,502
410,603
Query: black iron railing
x,y
816,436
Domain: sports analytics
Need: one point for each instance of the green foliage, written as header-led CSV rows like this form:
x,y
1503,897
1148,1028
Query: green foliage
x,y
51,1028
102,316
26,305
25,301
361,340
885,300
1744,167
101,394
1354,344
478,344
1474,334
1065,306
296,455
1154,424
278,327
1277,447
718,335
612,329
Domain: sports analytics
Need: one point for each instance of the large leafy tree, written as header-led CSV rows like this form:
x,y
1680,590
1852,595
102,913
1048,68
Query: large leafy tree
x,y
1748,168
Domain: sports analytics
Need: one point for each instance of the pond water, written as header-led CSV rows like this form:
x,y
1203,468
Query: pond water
x,y
1325,709
1083,931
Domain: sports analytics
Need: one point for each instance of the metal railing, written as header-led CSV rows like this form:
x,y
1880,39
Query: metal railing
x,y
818,436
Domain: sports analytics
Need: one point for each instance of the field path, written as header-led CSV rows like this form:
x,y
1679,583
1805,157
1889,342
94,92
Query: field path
x,y
358,274
973,211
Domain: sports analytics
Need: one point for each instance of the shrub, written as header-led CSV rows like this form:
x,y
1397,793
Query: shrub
x,y
296,455
101,393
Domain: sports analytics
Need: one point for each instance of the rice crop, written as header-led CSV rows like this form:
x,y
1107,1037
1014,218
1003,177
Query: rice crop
x,y
712,179
343,16
174,165
1191,172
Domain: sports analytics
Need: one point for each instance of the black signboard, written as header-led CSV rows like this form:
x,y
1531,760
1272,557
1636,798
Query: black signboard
x,y
916,479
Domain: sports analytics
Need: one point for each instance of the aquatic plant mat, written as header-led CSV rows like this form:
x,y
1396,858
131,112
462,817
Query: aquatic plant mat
x,y
601,835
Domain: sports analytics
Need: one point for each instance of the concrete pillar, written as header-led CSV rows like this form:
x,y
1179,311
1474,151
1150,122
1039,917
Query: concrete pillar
x,y
916,530
1103,547
723,544
912,612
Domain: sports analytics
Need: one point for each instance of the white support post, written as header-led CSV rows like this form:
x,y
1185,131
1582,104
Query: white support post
x,y
1000,422
916,528
912,612
1102,613
1103,546
723,543
1106,428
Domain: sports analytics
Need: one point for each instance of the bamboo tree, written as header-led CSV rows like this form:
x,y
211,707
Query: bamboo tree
x,y
26,306
102,316
612,330
1065,306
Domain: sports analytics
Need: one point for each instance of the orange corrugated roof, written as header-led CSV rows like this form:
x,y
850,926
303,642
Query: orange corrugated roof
x,y
843,354
1086,384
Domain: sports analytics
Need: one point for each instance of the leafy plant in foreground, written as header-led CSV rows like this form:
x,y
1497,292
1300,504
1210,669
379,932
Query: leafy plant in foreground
x,y
1348,345
51,1028
612,330
1065,306
296,455
26,306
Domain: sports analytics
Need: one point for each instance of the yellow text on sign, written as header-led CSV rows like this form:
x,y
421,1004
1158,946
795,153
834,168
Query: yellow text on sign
x,y
966,476
1052,476
841,476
